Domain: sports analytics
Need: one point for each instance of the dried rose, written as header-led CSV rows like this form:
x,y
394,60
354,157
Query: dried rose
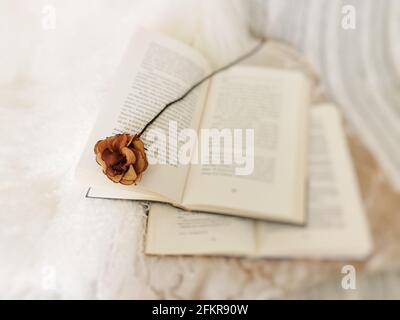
x,y
122,158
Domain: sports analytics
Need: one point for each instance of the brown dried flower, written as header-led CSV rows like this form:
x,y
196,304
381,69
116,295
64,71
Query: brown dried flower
x,y
122,158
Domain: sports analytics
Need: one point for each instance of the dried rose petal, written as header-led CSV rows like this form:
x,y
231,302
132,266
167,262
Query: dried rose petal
x,y
122,158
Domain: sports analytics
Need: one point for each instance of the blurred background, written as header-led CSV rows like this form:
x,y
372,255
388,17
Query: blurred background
x,y
57,59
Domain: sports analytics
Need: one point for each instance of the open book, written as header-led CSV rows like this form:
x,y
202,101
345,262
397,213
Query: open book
x,y
336,225
272,103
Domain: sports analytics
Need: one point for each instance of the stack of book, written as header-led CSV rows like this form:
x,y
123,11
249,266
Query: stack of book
x,y
288,189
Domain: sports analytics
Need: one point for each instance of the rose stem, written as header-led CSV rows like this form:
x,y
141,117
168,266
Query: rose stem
x,y
237,60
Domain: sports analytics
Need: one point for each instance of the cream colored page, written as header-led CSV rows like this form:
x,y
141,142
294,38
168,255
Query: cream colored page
x,y
274,103
336,224
154,71
173,231
109,192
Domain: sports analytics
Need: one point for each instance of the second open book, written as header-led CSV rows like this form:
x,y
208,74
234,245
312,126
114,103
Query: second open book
x,y
274,103
336,225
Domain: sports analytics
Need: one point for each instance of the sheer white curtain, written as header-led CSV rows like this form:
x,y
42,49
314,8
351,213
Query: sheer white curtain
x,y
359,68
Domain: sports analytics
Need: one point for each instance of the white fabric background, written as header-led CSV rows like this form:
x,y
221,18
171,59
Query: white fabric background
x,y
359,68
54,243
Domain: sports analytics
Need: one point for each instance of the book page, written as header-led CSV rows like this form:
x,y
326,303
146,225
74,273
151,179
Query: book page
x,y
154,71
172,231
273,104
336,225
